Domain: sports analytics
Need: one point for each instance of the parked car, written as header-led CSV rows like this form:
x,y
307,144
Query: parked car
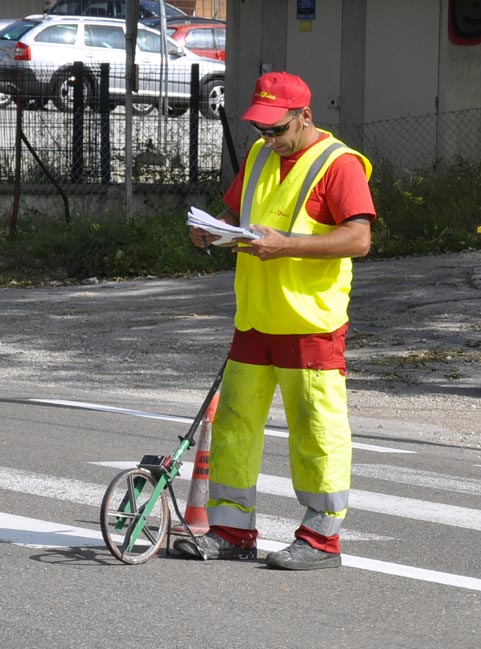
x,y
111,9
205,39
37,55
5,99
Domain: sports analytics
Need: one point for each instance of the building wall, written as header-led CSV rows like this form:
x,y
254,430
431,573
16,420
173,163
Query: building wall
x,y
20,8
371,64
205,8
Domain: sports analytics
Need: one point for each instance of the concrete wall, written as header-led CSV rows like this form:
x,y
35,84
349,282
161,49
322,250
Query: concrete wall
x,y
368,62
20,8
402,48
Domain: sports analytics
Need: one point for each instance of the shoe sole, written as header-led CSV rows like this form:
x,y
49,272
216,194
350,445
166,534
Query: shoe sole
x,y
287,564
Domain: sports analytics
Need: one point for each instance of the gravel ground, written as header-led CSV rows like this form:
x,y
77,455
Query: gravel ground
x,y
414,348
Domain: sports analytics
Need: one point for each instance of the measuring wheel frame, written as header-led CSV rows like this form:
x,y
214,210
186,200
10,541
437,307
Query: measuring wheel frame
x,y
134,520
135,515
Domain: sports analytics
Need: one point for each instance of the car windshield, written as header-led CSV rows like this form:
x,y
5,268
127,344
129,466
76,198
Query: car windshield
x,y
16,30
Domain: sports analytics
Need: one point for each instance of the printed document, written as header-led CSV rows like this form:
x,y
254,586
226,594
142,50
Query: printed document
x,y
201,219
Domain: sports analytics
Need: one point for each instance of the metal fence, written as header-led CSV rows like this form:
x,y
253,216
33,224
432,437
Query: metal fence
x,y
418,142
82,146
84,150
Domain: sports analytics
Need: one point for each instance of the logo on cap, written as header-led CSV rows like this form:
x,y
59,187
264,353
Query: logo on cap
x,y
265,95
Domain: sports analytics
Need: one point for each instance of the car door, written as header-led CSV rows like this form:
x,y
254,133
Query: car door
x,y
106,44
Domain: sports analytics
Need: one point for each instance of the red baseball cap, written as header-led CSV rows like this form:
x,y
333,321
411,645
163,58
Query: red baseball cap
x,y
275,93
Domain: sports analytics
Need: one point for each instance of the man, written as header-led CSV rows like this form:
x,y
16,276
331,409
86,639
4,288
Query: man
x,y
307,195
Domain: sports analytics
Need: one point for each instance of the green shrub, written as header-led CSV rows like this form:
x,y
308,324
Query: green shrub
x,y
424,212
436,211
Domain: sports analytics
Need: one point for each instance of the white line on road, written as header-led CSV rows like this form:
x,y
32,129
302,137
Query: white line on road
x,y
420,510
87,493
428,479
188,420
39,534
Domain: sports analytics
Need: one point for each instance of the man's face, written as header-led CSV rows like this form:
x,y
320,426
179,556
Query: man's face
x,y
285,136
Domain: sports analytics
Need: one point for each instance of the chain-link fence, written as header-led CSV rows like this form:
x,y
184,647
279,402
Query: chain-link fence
x,y
177,142
418,142
70,130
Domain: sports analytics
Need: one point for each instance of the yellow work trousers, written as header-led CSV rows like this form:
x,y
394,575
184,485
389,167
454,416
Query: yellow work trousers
x,y
315,404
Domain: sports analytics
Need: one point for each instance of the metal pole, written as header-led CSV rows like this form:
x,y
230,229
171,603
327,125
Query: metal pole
x,y
18,167
132,17
164,75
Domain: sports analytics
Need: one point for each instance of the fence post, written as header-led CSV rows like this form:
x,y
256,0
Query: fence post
x,y
194,124
18,166
104,105
77,172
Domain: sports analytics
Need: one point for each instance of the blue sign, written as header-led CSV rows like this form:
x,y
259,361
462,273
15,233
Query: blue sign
x,y
306,9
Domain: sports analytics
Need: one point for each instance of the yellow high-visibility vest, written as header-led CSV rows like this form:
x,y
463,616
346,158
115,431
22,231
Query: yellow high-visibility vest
x,y
290,295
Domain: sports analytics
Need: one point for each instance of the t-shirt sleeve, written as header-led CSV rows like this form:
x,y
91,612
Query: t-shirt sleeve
x,y
232,197
346,190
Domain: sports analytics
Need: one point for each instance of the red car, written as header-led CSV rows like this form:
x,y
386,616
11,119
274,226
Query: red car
x,y
204,38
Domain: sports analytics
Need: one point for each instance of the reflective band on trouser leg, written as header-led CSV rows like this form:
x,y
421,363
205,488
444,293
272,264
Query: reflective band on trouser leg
x,y
238,443
319,444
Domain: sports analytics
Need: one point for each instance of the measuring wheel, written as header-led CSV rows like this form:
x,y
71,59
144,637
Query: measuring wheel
x,y
130,535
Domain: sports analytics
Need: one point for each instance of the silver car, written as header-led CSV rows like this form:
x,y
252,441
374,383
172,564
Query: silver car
x,y
37,56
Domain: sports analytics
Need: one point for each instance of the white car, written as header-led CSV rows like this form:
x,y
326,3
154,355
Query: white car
x,y
5,99
37,55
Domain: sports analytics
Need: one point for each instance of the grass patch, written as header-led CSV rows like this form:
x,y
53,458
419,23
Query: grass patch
x,y
106,246
420,213
428,211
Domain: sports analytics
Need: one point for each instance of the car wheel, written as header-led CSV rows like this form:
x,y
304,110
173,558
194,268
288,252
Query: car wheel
x,y
142,109
5,100
62,90
211,98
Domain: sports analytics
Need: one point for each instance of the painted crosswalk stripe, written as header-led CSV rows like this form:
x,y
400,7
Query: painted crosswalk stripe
x,y
87,493
426,479
188,420
34,533
371,501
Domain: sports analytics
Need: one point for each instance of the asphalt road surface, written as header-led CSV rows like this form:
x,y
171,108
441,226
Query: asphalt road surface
x,y
93,377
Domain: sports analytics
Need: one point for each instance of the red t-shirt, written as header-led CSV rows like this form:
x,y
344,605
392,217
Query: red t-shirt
x,y
340,194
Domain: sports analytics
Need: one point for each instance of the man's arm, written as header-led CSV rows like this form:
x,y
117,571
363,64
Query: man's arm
x,y
352,238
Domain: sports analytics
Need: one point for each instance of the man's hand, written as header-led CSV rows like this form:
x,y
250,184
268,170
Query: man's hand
x,y
201,238
271,245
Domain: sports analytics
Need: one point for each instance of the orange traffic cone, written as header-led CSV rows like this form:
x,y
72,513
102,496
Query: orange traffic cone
x,y
195,511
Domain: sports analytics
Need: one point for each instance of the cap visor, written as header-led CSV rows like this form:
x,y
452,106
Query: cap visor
x,y
264,114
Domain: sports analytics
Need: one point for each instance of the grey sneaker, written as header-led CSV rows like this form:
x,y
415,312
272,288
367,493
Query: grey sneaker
x,y
299,555
214,547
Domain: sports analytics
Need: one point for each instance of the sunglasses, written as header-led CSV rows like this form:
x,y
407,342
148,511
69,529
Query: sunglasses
x,y
275,131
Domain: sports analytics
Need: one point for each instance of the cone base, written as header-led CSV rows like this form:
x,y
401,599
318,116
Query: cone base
x,y
196,530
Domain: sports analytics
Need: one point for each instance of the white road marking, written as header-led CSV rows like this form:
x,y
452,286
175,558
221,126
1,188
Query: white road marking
x,y
39,534
188,420
429,479
87,493
34,533
415,509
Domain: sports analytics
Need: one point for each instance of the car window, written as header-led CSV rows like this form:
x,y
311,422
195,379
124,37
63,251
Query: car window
x,y
61,34
109,8
201,39
148,42
220,38
111,38
16,30
65,8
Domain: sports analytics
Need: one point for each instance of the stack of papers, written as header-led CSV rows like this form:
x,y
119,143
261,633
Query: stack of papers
x,y
200,219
